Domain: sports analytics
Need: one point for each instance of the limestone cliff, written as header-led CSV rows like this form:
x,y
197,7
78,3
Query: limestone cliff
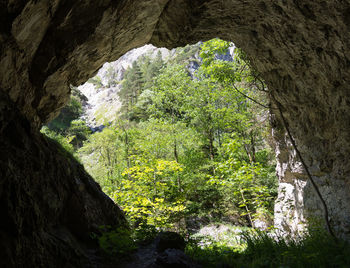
x,y
102,90
302,49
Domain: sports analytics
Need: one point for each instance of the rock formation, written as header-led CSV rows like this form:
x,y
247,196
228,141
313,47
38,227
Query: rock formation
x,y
302,49
101,91
102,99
50,207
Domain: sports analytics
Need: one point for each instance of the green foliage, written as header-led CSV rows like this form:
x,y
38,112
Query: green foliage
x,y
78,132
70,112
111,76
260,249
213,255
171,90
145,193
186,54
138,79
103,157
151,68
117,241
96,81
63,141
185,143
201,125
244,183
191,144
210,49
66,128
316,249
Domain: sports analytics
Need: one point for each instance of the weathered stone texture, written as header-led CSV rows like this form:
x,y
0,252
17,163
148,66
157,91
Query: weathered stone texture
x,y
49,205
301,48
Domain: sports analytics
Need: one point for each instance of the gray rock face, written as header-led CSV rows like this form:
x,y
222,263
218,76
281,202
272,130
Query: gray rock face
x,y
301,48
103,102
297,205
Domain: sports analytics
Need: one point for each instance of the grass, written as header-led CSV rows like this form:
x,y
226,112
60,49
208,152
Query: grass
x,y
259,249
224,246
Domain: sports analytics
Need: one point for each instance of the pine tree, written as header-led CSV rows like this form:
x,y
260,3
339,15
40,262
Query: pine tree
x,y
132,87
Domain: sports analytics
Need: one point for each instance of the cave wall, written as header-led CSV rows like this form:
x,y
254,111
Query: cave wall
x,y
300,48
49,206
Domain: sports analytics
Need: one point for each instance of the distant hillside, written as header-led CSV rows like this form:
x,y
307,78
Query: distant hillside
x,y
98,97
103,102
102,90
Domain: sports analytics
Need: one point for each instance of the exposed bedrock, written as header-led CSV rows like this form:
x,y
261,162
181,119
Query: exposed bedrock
x,y
300,48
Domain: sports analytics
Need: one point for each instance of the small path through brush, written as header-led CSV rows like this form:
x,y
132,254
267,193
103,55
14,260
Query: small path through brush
x,y
145,256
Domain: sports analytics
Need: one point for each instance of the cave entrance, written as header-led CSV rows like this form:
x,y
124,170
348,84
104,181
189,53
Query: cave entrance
x,y
178,138
301,50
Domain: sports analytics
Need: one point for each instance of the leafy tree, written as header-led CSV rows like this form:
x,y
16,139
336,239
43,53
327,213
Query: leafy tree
x,y
170,93
151,68
101,155
187,143
78,132
144,193
243,183
186,54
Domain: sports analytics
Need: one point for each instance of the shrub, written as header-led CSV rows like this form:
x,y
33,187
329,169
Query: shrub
x,y
260,249
117,241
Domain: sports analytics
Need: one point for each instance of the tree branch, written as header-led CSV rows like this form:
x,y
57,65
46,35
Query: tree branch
x,y
246,96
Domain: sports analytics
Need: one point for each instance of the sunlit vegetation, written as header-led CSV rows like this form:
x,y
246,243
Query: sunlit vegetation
x,y
259,249
190,142
187,143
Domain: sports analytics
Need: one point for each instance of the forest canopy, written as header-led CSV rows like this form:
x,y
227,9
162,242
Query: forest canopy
x,y
191,140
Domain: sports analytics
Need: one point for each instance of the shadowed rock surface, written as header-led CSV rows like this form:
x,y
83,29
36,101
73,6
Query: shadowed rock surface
x,y
49,205
302,50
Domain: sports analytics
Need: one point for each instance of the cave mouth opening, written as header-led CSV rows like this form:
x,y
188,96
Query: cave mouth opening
x,y
172,138
301,55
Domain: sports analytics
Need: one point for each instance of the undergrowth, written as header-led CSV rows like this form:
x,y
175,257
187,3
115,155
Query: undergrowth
x,y
117,242
243,248
259,249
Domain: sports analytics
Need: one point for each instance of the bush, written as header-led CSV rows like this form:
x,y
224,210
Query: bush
x,y
260,249
63,141
212,254
317,249
117,242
